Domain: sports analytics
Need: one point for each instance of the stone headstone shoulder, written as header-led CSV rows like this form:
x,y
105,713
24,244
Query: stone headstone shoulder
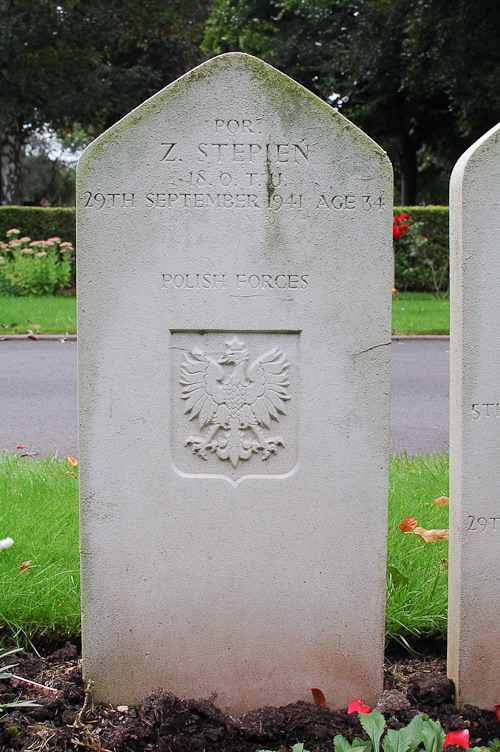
x,y
234,285
474,588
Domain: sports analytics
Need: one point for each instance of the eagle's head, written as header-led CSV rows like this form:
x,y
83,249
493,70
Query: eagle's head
x,y
236,352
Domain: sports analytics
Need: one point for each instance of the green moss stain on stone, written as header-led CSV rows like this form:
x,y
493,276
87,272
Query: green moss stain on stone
x,y
289,100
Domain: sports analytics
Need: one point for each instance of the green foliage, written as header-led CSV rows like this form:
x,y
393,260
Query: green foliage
x,y
47,180
420,78
359,745
39,222
406,739
420,732
422,254
38,267
374,725
86,63
299,747
433,736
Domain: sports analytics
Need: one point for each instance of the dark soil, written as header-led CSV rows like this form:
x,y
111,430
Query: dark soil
x,y
167,723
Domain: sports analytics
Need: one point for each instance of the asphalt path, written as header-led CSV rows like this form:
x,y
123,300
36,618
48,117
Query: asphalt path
x,y
420,393
38,396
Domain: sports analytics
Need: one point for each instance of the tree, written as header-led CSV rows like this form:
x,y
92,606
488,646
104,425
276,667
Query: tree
x,y
86,62
46,178
420,78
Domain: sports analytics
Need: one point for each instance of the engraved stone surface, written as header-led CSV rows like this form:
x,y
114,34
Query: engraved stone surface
x,y
232,406
234,276
474,586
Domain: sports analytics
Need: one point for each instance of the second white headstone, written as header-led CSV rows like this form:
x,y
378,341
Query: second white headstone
x,y
474,585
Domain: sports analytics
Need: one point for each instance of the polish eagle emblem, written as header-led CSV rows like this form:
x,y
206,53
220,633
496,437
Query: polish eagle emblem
x,y
234,401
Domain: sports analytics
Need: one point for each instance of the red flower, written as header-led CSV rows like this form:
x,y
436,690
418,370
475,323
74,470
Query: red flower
x,y
358,706
457,737
404,228
397,220
396,232
404,215
497,711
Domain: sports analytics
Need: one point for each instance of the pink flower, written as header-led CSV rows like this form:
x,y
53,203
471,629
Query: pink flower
x,y
358,706
457,737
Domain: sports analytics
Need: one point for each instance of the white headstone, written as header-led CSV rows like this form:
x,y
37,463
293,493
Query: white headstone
x,y
234,281
474,583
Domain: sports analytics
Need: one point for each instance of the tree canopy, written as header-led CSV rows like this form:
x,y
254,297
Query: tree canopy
x,y
419,77
64,62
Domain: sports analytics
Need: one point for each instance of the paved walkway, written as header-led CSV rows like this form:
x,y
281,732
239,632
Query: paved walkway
x,y
38,395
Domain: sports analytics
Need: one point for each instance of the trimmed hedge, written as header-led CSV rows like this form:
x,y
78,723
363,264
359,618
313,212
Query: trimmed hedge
x,y
39,223
422,255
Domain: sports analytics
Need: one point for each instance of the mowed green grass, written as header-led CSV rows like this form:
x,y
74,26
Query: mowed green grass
x,y
417,607
420,313
39,510
412,313
44,314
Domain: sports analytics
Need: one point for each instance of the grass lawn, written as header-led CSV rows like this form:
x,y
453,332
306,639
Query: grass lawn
x,y
39,574
412,313
47,314
420,313
417,583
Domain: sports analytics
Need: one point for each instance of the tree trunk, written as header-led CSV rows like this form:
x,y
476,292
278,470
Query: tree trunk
x,y
408,169
11,144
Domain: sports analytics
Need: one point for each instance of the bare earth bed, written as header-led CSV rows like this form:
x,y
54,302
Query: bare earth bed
x,y
167,723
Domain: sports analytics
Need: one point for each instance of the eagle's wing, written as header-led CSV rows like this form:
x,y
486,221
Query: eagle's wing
x,y
201,386
267,392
